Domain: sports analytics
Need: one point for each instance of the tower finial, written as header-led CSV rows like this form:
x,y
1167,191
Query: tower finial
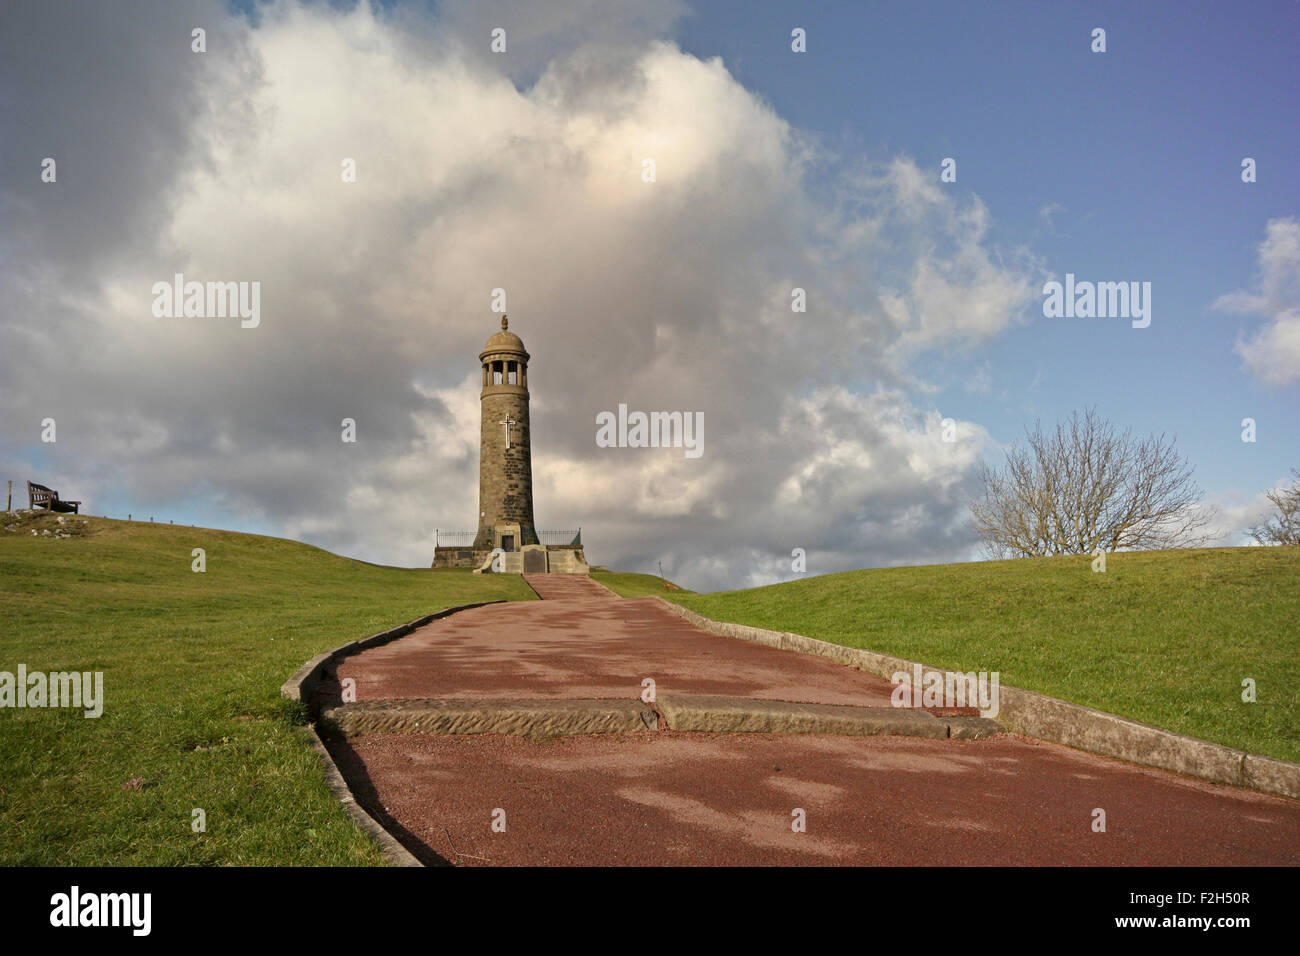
x,y
504,323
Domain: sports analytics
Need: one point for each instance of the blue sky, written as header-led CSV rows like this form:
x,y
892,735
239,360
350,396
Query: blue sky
x,y
1136,151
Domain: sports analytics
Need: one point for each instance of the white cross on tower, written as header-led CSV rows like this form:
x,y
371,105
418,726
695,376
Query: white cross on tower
x,y
508,421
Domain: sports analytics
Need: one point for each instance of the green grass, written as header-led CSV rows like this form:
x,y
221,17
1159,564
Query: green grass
x,y
1161,637
192,669
634,585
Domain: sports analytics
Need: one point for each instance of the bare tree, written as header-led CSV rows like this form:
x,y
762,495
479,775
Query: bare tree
x,y
1084,487
1284,526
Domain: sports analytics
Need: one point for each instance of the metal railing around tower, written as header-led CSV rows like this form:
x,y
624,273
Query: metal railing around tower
x,y
560,537
453,539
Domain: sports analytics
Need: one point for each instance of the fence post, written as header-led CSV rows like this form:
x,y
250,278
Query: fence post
x,y
9,497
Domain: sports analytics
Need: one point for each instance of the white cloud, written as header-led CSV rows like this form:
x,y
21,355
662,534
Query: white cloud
x,y
1047,212
1235,513
1272,353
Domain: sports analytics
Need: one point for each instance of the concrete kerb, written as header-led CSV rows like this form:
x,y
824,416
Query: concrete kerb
x,y
302,687
1058,721
396,854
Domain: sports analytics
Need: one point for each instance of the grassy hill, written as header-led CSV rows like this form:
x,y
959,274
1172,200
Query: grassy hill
x,y
192,668
636,585
1163,637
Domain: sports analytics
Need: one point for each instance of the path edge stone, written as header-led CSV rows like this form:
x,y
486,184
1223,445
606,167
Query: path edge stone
x,y
303,684
393,851
1048,718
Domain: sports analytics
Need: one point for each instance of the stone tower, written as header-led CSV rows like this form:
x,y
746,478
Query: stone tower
x,y
505,472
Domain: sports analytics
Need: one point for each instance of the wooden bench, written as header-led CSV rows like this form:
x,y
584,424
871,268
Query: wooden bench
x,y
38,496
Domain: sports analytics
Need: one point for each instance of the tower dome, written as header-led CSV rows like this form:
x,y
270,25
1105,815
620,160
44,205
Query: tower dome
x,y
504,341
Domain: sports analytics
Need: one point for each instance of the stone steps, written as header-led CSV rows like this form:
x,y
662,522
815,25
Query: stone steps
x,y
679,712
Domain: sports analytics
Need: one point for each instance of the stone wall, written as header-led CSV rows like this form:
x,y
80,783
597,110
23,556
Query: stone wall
x,y
560,559
566,559
460,557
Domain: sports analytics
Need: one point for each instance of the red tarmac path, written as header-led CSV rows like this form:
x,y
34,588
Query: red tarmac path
x,y
582,641
665,798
